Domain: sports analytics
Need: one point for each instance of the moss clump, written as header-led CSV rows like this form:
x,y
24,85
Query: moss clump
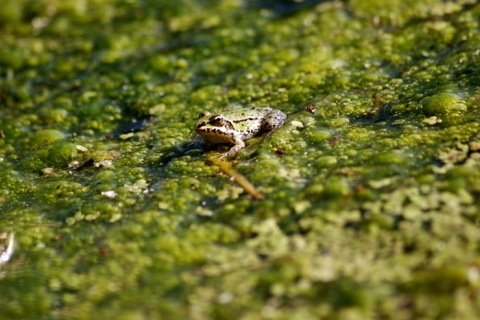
x,y
325,162
55,115
442,104
44,138
61,155
389,158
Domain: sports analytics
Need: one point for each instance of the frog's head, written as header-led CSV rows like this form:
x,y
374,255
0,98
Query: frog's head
x,y
208,121
215,128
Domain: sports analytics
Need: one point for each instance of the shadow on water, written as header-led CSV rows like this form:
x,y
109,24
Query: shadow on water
x,y
284,8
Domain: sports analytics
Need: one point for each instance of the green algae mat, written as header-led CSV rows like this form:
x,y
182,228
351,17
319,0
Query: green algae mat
x,y
370,191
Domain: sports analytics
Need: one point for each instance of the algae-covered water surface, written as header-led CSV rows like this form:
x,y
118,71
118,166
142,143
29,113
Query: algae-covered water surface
x,y
370,191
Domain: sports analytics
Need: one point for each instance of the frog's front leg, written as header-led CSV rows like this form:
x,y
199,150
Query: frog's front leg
x,y
238,145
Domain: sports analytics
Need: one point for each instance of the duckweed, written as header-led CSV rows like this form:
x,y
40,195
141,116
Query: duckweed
x,y
371,205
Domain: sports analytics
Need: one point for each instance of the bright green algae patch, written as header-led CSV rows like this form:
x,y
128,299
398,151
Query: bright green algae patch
x,y
372,203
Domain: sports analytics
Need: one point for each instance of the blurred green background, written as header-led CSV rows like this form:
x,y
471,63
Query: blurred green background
x,y
372,203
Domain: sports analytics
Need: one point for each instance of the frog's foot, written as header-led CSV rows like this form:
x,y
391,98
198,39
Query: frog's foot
x,y
239,145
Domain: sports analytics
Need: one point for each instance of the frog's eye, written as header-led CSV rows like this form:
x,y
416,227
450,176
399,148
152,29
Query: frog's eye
x,y
203,114
218,119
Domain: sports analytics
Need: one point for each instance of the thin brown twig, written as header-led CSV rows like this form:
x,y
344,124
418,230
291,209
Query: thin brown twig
x,y
243,182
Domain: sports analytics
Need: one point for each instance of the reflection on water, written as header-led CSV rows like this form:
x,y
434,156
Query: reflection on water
x,y
7,246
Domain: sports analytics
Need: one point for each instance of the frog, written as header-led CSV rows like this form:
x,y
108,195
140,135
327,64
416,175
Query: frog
x,y
237,125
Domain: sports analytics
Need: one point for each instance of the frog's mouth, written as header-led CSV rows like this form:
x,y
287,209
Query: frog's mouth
x,y
216,134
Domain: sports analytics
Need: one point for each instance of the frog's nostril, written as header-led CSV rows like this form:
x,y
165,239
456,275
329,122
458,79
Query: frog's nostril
x,y
203,114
